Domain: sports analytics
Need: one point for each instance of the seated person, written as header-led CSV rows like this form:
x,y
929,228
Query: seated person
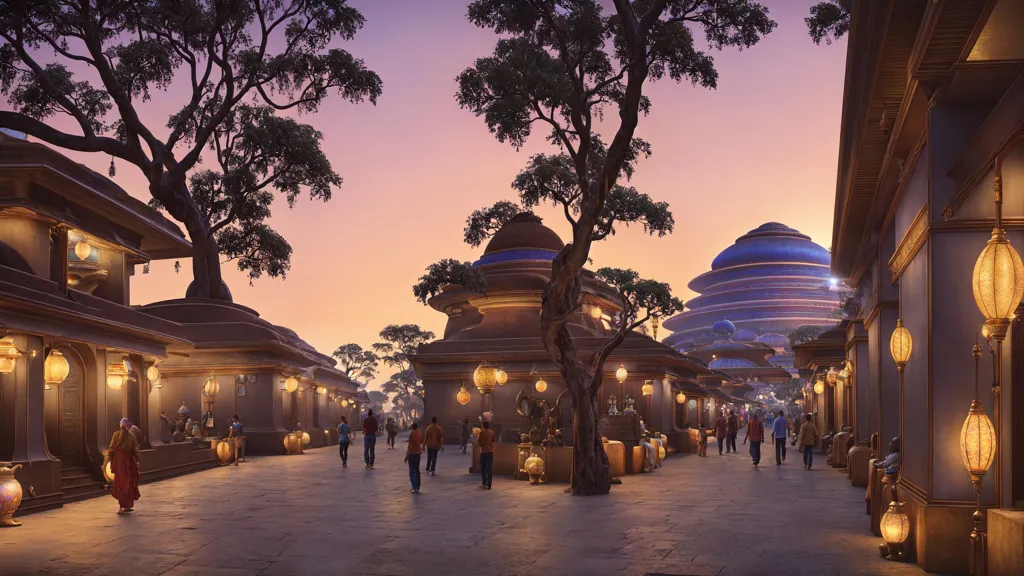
x,y
891,463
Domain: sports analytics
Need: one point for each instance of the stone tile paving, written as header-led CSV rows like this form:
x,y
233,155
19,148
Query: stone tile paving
x,y
299,515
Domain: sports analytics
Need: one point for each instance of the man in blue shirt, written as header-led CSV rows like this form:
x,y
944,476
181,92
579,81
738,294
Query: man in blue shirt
x,y
344,439
779,437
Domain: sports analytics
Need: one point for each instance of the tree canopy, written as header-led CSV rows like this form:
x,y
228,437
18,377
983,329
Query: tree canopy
x,y
829,20
241,62
357,363
398,343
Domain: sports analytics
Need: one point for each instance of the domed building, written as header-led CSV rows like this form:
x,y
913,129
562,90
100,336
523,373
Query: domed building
x,y
771,281
502,327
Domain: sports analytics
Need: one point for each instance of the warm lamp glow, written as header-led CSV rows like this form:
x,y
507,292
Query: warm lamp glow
x,y
344,402
647,388
680,398
819,386
900,344
82,249
305,438
596,313
541,385
831,376
895,524
55,368
485,377
501,377
321,390
153,374
8,356
211,387
291,384
116,375
977,441
621,374
463,396
998,279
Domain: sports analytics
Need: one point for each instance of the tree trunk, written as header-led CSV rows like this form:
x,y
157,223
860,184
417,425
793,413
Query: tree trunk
x,y
590,470
205,257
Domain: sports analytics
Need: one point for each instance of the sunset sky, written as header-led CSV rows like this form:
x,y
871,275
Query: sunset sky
x,y
762,147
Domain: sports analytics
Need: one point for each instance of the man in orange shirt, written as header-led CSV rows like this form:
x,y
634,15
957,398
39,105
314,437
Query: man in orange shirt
x,y
486,443
435,442
412,457
755,433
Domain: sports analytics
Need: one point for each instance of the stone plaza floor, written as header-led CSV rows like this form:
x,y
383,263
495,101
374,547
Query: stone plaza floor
x,y
291,515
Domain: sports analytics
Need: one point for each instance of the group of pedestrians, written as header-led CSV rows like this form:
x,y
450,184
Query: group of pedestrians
x,y
806,437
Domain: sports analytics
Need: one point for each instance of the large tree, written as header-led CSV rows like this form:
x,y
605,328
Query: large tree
x,y
357,363
239,63
553,66
397,346
829,20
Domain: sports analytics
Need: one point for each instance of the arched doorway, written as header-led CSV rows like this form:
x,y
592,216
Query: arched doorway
x,y
70,422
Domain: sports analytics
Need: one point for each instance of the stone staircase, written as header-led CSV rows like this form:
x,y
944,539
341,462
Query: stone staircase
x,y
77,483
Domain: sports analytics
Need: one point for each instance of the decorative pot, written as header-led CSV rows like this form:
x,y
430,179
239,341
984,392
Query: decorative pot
x,y
225,451
534,466
10,494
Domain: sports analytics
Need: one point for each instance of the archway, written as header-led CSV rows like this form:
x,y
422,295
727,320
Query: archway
x,y
70,440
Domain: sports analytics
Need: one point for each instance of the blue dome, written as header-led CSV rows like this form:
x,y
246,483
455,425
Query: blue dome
x,y
724,328
744,335
777,341
727,363
772,242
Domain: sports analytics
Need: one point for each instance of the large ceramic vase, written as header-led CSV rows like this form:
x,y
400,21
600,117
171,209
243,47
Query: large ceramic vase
x,y
10,494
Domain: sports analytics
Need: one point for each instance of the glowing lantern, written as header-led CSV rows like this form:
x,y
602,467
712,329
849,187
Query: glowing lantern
x,y
117,374
596,313
895,527
463,396
680,398
692,404
647,388
8,356
541,385
153,374
211,387
305,438
998,280
108,472
621,374
225,452
485,377
10,494
293,443
977,442
501,377
662,453
344,402
55,368
831,376
819,387
291,384
321,390
900,344
82,249
476,432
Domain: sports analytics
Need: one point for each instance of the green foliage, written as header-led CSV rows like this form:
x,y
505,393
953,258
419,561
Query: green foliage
x,y
445,272
804,334
357,363
483,223
641,298
829,20
397,346
244,62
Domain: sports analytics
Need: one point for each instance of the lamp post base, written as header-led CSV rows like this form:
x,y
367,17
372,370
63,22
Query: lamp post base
x,y
979,543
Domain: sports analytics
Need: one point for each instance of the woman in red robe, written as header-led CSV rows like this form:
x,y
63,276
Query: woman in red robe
x,y
124,457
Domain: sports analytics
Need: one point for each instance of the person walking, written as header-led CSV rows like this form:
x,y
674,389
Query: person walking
x,y
779,438
412,457
123,457
434,439
369,439
808,439
721,430
732,429
466,430
344,439
392,430
755,433
486,443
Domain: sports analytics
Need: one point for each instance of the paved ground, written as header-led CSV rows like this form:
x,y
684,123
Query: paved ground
x,y
306,515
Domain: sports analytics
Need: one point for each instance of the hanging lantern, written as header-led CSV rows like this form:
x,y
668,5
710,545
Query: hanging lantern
x,y
831,376
819,387
541,385
680,398
692,404
117,374
596,313
463,396
8,355
621,374
153,374
998,280
344,402
291,384
211,387
900,344
10,494
82,249
55,368
321,390
485,377
647,388
501,377
977,442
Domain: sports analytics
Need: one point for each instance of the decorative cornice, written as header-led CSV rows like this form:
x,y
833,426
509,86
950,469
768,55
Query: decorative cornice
x,y
911,243
506,301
